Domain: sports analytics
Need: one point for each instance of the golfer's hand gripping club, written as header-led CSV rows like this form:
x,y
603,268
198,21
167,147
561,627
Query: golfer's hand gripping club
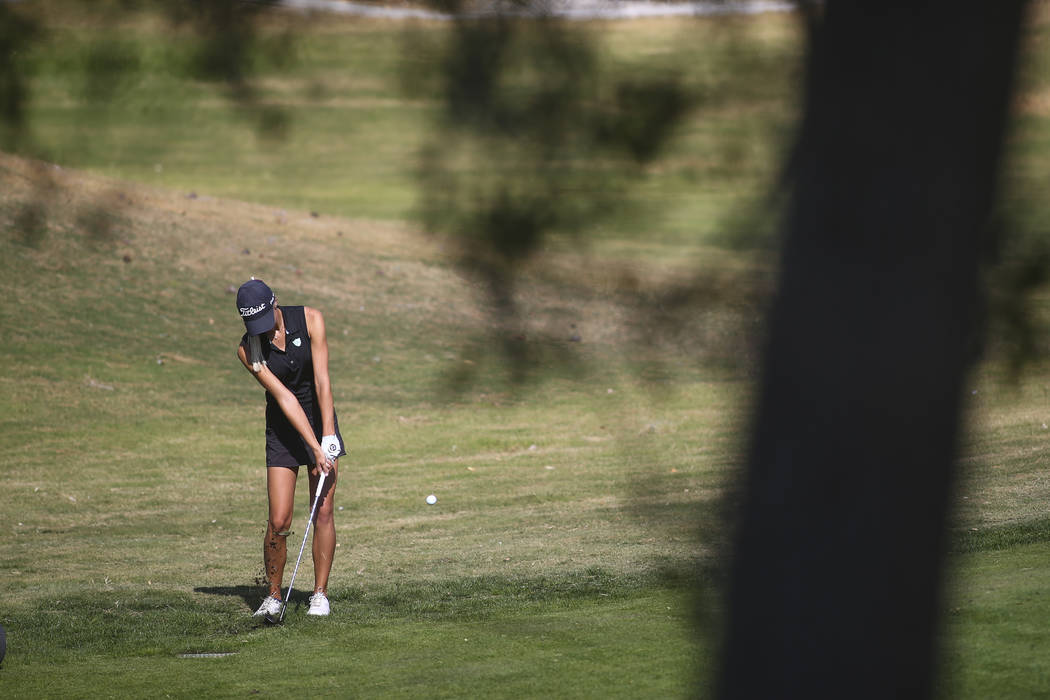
x,y
331,447
313,511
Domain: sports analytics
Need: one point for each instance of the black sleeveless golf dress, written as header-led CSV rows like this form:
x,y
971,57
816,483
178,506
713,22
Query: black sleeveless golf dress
x,y
295,368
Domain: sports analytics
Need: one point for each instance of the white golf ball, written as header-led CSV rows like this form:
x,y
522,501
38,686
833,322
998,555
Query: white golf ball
x,y
432,499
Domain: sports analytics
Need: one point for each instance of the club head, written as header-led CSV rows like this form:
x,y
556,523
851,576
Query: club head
x,y
277,619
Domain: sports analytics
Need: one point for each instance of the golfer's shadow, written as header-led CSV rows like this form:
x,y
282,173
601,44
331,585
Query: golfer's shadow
x,y
251,595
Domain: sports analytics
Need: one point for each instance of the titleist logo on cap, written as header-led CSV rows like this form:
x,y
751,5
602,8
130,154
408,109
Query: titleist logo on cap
x,y
252,310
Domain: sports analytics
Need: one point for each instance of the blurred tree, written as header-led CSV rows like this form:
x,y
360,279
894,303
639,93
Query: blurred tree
x,y
16,33
527,113
837,565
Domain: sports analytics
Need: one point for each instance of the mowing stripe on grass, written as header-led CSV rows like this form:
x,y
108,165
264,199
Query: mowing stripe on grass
x,y
1000,537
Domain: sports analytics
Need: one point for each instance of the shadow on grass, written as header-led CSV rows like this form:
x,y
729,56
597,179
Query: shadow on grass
x,y
484,597
123,623
253,595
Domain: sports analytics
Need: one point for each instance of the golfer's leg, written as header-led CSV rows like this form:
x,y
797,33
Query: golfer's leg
x,y
324,531
280,489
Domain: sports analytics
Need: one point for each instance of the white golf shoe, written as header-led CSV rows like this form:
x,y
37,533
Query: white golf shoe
x,y
319,604
270,606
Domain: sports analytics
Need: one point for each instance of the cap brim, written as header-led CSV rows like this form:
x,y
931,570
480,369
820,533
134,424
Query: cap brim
x,y
262,323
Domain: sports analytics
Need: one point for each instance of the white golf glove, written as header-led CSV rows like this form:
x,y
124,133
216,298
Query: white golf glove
x,y
331,447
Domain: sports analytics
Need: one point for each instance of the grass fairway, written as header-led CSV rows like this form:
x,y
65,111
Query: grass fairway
x,y
575,528
539,650
555,560
996,638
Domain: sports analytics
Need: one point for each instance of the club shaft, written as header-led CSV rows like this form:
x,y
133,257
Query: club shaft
x,y
313,509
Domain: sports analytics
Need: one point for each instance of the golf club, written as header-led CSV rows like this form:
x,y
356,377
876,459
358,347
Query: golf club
x,y
313,509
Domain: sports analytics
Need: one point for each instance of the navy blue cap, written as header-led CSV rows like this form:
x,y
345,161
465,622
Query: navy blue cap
x,y
255,302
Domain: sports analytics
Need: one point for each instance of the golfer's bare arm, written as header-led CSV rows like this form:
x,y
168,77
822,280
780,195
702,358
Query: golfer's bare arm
x,y
322,382
286,400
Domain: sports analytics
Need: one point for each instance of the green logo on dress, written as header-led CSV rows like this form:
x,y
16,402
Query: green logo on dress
x,y
297,342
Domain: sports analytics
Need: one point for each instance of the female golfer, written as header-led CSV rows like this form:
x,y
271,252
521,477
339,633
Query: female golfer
x,y
286,350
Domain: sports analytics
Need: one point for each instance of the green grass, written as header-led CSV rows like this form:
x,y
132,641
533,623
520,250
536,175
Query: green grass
x,y
573,548
137,489
995,632
533,650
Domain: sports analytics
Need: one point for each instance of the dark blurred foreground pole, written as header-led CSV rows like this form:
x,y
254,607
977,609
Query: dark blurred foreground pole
x,y
835,582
